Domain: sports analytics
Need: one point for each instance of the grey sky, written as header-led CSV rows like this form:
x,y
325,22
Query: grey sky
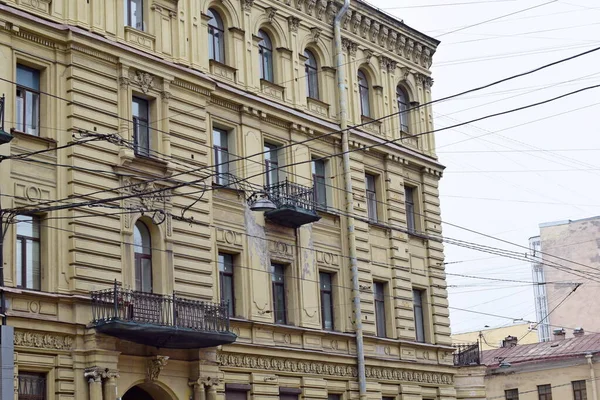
x,y
477,190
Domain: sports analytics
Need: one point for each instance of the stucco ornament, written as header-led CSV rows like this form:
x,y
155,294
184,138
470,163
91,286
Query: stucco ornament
x,y
144,80
155,366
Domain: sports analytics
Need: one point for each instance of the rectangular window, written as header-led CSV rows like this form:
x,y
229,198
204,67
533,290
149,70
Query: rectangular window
x,y
271,164
279,301
28,252
379,297
544,392
371,197
28,100
511,394
325,281
388,398
221,152
579,390
320,187
226,280
409,201
419,316
333,396
134,14
141,129
32,386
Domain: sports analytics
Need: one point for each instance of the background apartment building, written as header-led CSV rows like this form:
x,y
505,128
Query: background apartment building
x,y
135,268
571,261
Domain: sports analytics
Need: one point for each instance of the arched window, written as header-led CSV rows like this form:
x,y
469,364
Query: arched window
x,y
216,37
310,71
363,88
265,51
402,100
143,257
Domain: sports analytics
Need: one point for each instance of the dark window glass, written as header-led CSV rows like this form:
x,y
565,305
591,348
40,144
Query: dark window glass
x,y
419,317
319,182
579,390
265,52
216,37
141,128
388,398
333,397
379,296
221,151
236,395
28,252
28,100
143,257
271,164
402,100
325,280
363,88
32,386
371,197
288,396
311,73
226,278
279,301
511,394
544,392
409,201
134,14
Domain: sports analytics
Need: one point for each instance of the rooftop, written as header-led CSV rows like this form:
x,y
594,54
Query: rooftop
x,y
545,351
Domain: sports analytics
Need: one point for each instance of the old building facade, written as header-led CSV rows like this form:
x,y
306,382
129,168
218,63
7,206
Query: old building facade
x,y
133,264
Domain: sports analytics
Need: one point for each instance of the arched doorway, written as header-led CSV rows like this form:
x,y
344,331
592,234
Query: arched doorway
x,y
147,391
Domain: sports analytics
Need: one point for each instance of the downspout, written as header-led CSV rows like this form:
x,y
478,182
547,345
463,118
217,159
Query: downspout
x,y
343,112
592,375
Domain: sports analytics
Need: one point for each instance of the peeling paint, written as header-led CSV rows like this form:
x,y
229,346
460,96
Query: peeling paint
x,y
308,252
257,239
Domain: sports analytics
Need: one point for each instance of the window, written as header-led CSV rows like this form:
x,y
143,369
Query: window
x,y
388,398
333,397
32,386
579,390
271,164
325,281
141,129
320,187
544,392
511,394
28,254
289,393
237,391
363,89
371,197
402,100
279,302
409,201
265,51
221,149
143,257
226,280
419,316
134,13
310,71
28,100
379,296
216,37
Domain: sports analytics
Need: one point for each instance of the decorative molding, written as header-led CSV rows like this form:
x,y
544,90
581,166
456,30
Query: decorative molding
x,y
155,366
332,10
250,361
43,340
310,6
374,31
124,82
321,7
293,23
93,374
143,79
247,5
316,34
192,87
36,39
347,19
271,12
225,103
94,53
350,46
365,26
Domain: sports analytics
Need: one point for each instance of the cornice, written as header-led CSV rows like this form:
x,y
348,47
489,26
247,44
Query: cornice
x,y
305,366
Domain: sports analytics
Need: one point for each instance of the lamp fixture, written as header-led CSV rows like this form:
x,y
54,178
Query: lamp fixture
x,y
260,201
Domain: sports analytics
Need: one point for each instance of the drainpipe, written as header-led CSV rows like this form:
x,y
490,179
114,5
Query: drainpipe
x,y
592,375
343,112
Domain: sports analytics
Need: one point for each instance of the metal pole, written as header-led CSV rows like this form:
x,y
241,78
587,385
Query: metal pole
x,y
590,361
343,112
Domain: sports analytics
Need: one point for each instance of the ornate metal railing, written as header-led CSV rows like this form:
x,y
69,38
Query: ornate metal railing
x,y
287,193
467,354
155,309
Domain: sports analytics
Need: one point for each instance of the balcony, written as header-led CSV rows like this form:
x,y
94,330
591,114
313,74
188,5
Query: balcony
x,y
161,321
5,137
467,355
295,204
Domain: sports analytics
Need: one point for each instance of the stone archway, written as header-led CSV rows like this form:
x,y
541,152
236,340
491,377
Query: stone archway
x,y
146,391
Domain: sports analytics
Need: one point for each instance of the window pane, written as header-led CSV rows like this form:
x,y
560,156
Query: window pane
x,y
32,386
380,318
146,275
34,277
279,304
19,259
418,313
325,280
25,226
410,208
32,103
141,238
28,77
512,394
136,14
20,110
227,292
327,311
225,263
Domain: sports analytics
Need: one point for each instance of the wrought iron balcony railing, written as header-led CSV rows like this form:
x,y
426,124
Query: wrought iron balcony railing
x,y
160,320
295,203
467,354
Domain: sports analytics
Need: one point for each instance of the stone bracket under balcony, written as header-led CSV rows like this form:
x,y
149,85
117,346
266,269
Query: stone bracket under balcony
x,y
295,204
161,321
